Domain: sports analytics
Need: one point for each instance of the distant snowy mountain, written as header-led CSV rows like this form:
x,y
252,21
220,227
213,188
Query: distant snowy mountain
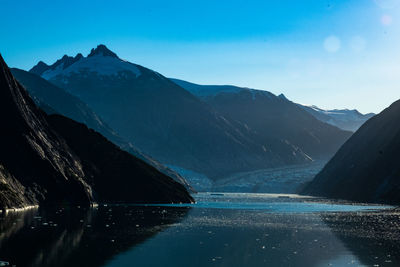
x,y
345,119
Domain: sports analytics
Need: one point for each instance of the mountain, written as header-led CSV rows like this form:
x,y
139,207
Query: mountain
x,y
274,118
366,168
54,100
349,120
164,120
38,165
133,180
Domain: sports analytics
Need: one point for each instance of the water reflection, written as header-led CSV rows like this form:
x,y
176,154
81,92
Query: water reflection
x,y
220,230
79,237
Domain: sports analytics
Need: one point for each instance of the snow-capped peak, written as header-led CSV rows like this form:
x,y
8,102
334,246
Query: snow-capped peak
x,y
100,61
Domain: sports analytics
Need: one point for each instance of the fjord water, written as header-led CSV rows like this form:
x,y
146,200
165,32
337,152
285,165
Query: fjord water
x,y
219,230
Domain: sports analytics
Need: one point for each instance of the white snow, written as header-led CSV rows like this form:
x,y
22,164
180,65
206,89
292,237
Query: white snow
x,y
102,65
340,114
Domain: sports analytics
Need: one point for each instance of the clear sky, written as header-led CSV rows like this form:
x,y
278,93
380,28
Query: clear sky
x,y
334,54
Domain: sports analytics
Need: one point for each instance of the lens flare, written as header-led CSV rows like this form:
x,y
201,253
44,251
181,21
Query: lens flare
x,y
332,44
386,20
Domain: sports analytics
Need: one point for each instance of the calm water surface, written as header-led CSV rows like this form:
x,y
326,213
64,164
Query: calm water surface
x,y
219,230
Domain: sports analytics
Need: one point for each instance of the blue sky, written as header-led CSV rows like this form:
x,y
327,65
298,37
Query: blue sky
x,y
334,54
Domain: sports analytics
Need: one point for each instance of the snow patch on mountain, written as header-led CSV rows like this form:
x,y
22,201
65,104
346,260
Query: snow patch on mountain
x,y
100,64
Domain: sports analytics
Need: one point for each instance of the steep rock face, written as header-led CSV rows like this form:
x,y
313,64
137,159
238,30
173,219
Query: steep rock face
x,y
274,118
46,170
54,100
47,95
367,166
37,166
115,175
349,120
165,121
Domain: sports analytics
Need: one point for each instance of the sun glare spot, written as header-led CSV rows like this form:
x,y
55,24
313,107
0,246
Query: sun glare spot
x,y
332,44
386,20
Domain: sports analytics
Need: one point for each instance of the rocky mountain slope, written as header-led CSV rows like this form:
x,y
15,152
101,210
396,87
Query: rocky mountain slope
x,y
37,166
367,166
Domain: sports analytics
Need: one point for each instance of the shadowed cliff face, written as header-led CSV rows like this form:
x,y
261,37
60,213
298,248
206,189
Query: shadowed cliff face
x,y
367,166
115,175
36,164
79,237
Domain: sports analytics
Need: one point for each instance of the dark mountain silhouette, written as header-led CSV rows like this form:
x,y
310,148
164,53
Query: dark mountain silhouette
x,y
133,180
165,121
37,166
80,237
274,118
54,100
366,168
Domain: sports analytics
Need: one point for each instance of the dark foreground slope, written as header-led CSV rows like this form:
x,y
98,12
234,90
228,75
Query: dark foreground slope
x,y
114,174
37,166
367,167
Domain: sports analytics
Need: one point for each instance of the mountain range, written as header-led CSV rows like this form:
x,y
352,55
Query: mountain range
x,y
51,160
217,136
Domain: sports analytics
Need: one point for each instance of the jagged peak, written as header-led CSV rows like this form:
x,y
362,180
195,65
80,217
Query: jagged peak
x,y
78,56
102,50
39,68
41,63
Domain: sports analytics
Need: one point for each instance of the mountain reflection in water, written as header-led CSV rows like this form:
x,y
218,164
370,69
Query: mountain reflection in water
x,y
79,237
